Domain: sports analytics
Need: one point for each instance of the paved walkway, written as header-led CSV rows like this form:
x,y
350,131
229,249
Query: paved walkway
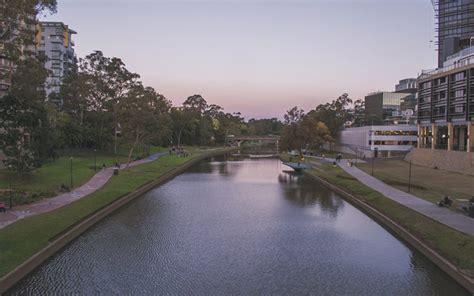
x,y
49,204
445,216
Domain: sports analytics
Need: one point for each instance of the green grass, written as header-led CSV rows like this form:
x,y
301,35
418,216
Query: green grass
x,y
427,183
451,244
46,181
22,239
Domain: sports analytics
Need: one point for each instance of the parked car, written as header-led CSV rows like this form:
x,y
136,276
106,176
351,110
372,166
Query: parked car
x,y
3,208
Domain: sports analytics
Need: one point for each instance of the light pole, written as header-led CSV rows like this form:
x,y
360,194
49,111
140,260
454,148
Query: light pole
x,y
373,161
409,178
71,173
95,160
11,190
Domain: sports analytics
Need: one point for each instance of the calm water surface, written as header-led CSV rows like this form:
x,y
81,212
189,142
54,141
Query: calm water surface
x,y
230,226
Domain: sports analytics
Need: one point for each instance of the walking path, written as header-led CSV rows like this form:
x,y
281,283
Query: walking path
x,y
445,216
49,204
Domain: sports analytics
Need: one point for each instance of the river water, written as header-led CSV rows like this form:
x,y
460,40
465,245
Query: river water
x,y
238,226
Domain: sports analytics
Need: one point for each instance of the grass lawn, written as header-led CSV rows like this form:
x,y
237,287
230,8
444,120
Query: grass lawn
x,y
451,244
46,181
22,239
427,183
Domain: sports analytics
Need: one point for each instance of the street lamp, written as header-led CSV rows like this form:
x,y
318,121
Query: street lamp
x,y
11,191
95,160
71,173
409,178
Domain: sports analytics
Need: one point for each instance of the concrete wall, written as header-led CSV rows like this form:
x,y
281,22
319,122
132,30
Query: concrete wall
x,y
456,161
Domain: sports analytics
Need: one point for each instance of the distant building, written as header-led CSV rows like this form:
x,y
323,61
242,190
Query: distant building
x,y
387,140
392,107
383,107
407,85
54,43
446,104
455,26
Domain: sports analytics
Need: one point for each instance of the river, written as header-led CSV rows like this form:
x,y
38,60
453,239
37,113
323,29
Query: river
x,y
238,226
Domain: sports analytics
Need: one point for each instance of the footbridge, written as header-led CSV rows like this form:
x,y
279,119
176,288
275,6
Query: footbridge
x,y
238,140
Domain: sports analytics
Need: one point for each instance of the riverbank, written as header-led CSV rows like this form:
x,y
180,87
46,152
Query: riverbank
x,y
449,249
27,243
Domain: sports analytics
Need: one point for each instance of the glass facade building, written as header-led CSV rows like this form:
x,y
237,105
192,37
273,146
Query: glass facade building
x,y
455,26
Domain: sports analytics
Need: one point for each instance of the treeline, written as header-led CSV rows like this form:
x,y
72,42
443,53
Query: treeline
x,y
321,125
100,105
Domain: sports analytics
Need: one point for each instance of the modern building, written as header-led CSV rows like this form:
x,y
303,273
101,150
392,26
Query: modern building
x,y
446,104
387,140
384,107
54,43
455,26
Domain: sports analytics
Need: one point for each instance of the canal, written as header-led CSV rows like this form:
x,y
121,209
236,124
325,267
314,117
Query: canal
x,y
238,226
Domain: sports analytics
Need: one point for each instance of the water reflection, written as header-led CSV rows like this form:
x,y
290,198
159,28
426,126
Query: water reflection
x,y
238,227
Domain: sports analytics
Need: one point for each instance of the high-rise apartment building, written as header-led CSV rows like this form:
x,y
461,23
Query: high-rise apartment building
x,y
455,26
54,43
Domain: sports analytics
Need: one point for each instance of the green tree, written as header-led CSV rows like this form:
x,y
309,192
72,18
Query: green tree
x,y
302,131
26,137
334,114
141,114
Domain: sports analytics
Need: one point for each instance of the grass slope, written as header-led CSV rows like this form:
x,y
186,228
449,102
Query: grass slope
x,y
24,238
451,244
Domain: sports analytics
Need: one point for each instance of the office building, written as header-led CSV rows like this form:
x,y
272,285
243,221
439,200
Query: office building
x,y
54,43
455,26
446,104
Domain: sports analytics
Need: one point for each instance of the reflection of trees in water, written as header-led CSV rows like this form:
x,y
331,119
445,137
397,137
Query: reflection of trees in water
x,y
299,190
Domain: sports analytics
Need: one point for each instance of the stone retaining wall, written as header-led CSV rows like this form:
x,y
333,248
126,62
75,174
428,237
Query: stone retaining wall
x,y
456,161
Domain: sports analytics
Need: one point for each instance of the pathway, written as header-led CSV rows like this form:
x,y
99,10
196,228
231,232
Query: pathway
x,y
445,216
49,204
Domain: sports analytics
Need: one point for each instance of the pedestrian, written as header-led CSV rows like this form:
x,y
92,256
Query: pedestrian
x,y
103,166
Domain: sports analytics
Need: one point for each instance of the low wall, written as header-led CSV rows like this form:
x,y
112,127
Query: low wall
x,y
69,235
456,161
464,280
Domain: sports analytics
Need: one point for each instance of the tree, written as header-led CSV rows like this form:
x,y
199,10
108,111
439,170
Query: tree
x,y
359,113
303,131
140,113
17,25
334,114
26,137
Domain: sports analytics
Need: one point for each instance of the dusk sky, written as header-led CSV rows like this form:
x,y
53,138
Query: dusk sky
x,y
259,57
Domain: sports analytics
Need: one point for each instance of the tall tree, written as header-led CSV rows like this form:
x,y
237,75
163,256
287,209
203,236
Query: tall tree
x,y
334,114
303,131
140,113
26,138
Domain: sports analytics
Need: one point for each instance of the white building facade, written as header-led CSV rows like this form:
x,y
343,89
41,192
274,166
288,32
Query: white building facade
x,y
54,43
387,140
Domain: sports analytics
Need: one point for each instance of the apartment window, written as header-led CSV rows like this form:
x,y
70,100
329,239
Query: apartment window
x,y
442,95
59,30
425,85
56,46
458,76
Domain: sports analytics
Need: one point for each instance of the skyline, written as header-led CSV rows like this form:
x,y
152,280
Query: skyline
x,y
260,57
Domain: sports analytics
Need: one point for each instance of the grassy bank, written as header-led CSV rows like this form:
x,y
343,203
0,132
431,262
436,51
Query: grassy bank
x,y
46,181
455,246
395,173
24,238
